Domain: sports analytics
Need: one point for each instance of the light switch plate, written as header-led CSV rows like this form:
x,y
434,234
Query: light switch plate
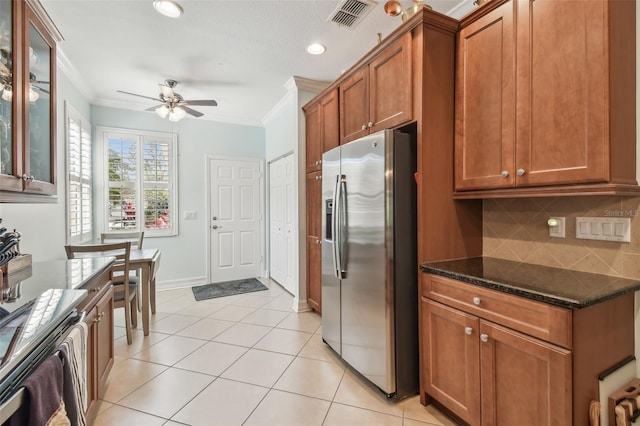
x,y
604,228
190,215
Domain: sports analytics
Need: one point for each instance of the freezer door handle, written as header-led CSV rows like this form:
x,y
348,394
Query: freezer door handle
x,y
334,221
342,237
339,215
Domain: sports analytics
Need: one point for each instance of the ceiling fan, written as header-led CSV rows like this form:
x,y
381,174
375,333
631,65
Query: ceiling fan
x,y
6,80
173,104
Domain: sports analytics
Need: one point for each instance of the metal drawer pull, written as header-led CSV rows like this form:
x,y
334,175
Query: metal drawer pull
x,y
468,330
484,337
476,300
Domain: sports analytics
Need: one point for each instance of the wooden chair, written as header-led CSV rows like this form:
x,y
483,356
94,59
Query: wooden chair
x,y
124,292
136,239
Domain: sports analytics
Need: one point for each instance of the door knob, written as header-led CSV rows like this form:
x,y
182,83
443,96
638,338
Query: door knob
x,y
215,218
216,226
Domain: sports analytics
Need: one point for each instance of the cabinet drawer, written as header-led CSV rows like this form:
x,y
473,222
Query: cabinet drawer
x,y
547,322
96,288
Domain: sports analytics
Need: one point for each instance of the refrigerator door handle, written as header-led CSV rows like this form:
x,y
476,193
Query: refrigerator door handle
x,y
334,228
342,216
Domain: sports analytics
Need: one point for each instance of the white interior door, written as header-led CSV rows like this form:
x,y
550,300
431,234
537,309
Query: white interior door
x,y
282,227
235,219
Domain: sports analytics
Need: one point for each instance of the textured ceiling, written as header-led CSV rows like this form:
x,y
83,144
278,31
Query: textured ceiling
x,y
240,53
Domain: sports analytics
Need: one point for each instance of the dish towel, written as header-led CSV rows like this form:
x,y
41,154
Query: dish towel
x,y
43,404
73,351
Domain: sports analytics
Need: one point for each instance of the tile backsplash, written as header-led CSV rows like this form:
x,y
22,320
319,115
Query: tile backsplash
x,y
516,229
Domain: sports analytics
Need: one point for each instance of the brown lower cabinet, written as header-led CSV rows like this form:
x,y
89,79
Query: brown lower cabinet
x,y
488,374
491,358
314,273
99,319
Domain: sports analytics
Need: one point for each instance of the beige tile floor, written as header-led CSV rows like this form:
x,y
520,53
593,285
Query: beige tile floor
x,y
241,360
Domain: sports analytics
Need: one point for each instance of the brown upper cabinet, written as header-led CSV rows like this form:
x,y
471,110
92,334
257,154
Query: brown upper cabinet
x,y
545,99
379,95
27,103
321,129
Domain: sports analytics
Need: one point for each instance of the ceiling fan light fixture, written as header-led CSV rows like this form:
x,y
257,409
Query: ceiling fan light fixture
x,y
177,114
33,95
168,8
7,94
162,111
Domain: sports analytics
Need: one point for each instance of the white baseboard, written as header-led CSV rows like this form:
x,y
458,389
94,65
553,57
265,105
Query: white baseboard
x,y
174,284
301,306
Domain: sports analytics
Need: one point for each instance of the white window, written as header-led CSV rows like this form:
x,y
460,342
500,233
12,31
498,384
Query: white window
x,y
79,177
139,170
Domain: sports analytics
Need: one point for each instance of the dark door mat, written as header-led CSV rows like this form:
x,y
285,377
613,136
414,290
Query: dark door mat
x,y
227,288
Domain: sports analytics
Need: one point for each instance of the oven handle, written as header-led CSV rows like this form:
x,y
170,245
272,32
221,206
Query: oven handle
x,y
79,317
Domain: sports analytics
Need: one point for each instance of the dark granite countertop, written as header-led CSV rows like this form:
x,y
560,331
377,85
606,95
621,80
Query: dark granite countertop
x,y
560,287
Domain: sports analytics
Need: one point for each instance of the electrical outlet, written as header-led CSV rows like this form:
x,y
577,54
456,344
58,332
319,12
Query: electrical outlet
x,y
556,227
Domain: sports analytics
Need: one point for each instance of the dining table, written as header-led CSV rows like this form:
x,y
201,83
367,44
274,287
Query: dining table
x,y
148,261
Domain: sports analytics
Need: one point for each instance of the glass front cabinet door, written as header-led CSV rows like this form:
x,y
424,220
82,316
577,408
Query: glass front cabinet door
x,y
27,102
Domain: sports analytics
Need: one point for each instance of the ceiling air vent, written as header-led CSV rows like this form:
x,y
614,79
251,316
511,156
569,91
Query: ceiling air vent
x,y
349,13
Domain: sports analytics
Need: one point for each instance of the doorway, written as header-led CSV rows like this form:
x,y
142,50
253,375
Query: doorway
x,y
235,218
282,223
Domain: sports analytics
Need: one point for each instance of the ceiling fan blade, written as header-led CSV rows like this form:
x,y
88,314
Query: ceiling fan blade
x,y
3,69
140,96
167,91
202,102
40,89
153,108
191,111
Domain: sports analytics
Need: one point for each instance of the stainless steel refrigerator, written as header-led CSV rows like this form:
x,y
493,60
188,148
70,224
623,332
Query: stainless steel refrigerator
x,y
369,260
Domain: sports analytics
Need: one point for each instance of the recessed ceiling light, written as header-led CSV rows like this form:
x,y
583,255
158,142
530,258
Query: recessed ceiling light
x,y
316,49
168,8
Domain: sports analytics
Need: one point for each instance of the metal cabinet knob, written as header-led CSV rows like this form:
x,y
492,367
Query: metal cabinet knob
x,y
520,172
364,127
468,330
476,300
319,241
484,337
27,178
370,124
504,174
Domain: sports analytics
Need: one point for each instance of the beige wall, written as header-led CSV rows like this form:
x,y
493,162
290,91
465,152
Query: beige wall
x,y
516,229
